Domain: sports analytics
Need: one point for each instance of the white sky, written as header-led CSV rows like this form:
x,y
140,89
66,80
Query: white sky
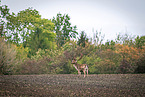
x,y
109,16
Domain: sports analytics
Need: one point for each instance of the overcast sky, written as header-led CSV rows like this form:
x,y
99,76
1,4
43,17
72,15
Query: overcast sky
x,y
108,16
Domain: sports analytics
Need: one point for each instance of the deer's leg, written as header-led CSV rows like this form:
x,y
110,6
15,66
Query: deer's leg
x,y
87,71
84,73
79,73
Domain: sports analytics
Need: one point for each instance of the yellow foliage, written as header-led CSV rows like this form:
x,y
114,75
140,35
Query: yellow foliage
x,y
130,53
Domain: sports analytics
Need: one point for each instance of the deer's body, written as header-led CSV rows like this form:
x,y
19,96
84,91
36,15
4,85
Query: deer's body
x,y
80,67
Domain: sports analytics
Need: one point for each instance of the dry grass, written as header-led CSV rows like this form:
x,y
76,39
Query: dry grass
x,y
132,85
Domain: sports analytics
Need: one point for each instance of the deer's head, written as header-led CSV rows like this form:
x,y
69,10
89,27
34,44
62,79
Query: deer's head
x,y
74,61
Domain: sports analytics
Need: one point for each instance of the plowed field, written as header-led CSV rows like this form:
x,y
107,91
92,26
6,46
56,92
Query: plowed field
x,y
69,85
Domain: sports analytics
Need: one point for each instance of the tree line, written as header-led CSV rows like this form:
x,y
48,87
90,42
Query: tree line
x,y
30,44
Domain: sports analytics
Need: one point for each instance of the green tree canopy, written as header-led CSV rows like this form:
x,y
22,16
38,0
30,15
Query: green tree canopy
x,y
27,27
41,39
83,39
4,12
63,29
20,26
140,41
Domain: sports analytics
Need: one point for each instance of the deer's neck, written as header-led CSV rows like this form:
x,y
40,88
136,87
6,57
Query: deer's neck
x,y
76,64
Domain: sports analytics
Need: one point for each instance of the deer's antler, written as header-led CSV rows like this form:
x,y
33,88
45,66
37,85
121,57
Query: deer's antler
x,y
81,57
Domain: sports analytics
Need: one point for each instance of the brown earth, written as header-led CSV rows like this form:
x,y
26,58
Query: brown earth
x,y
69,85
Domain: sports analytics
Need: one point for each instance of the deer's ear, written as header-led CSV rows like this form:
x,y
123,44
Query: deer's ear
x,y
74,58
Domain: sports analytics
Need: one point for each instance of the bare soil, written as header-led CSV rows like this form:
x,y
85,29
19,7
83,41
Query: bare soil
x,y
69,85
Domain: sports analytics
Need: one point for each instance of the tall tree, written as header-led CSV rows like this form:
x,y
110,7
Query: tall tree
x,y
43,36
83,39
140,41
4,13
41,39
27,27
19,27
63,29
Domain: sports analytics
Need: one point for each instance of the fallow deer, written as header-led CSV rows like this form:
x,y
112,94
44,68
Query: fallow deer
x,y
80,67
